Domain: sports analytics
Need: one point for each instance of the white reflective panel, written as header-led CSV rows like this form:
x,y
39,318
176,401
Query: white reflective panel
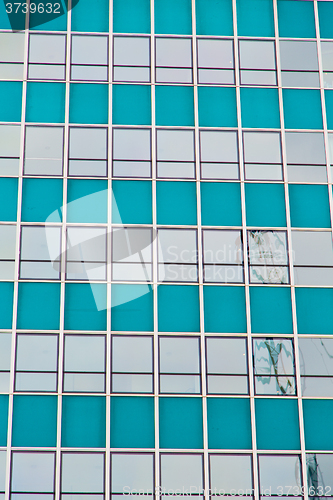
x,y
257,54
177,245
132,383
231,472
12,47
87,168
132,245
82,473
180,384
89,49
263,171
33,472
43,150
223,273
131,144
260,77
39,270
7,270
298,55
10,138
174,52
224,384
175,145
215,53
216,76
330,151
86,244
132,354
322,276
273,357
327,55
46,72
35,382
84,353
7,241
179,355
175,170
277,474
131,74
37,352
218,146
268,247
178,272
132,272
316,356
221,246
131,471
262,147
166,75
5,350
96,73
84,382
35,245
47,48
225,355
88,143
3,456
269,274
131,51
219,171
312,248
300,79
181,471
307,173
11,71
275,385
319,467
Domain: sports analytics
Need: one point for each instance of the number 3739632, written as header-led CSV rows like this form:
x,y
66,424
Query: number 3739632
x,y
40,8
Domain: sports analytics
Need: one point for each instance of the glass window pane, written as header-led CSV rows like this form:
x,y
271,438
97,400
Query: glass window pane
x,y
88,143
225,355
273,356
179,355
36,243
231,472
131,471
327,55
312,248
268,247
47,48
222,247
279,471
37,353
218,146
215,54
254,54
305,148
12,47
43,150
177,245
132,354
131,144
82,473
174,52
297,55
33,472
7,241
175,145
319,468
10,138
3,457
181,471
5,350
89,49
131,51
84,353
316,356
86,244
262,147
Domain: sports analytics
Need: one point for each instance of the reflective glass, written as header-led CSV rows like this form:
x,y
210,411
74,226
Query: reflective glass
x,y
131,471
274,365
181,471
89,49
298,55
179,355
33,472
82,473
279,474
10,139
230,473
84,353
43,150
226,355
319,468
131,152
255,54
12,47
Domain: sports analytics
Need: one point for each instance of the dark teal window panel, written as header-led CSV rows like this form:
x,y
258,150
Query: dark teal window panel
x,y
265,205
180,423
173,17
38,306
89,17
34,421
46,102
132,422
221,204
318,424
325,10
88,102
229,423
277,424
309,205
296,19
260,108
217,106
131,16
255,17
178,308
176,203
224,309
87,200
83,422
314,307
174,105
131,104
271,310
6,305
302,108
132,308
10,101
132,202
8,196
329,103
214,17
85,306
40,198
3,419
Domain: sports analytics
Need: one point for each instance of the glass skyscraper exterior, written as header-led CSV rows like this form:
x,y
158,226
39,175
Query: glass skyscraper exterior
x,y
166,261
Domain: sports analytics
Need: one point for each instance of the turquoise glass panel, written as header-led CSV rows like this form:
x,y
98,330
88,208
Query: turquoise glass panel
x,y
271,198
271,310
87,200
57,24
173,17
277,424
217,107
229,423
132,202
296,19
178,308
174,105
6,305
224,309
88,17
131,16
8,196
176,203
34,421
302,108
318,424
180,423
40,198
214,17
329,106
95,98
131,104
132,308
314,307
45,102
255,17
260,108
3,419
221,204
85,306
38,306
10,101
83,422
53,20
4,19
309,205
132,422
325,10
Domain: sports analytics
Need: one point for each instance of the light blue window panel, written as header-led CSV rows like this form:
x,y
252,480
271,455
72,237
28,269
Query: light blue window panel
x,y
132,422
85,306
318,424
34,421
184,315
176,203
173,17
325,10
174,105
255,17
217,107
45,102
88,103
132,308
180,423
277,424
131,16
40,198
214,17
271,310
87,200
270,196
83,421
329,107
8,196
10,101
296,19
221,204
131,104
302,108
38,306
6,304
260,108
309,205
224,309
314,307
88,17
229,423
132,202
55,21
3,419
